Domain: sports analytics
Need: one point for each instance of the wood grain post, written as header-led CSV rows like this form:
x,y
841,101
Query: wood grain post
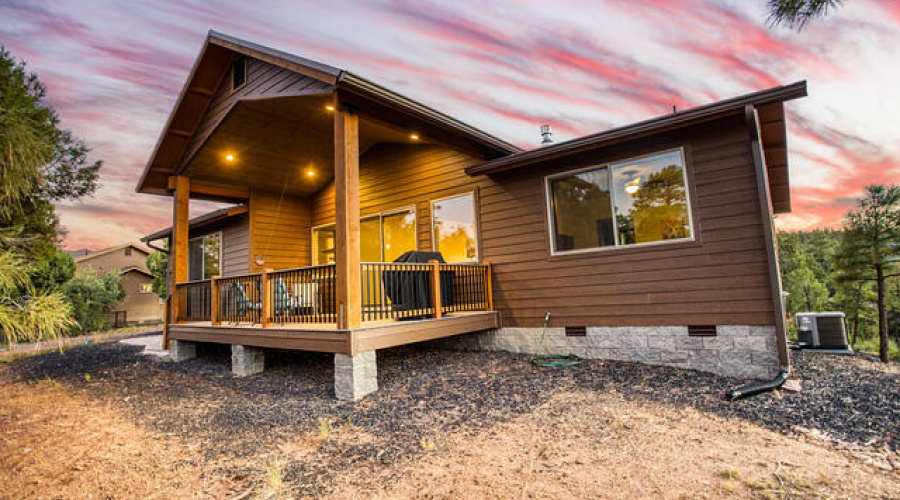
x,y
265,312
488,285
214,302
437,301
346,205
181,197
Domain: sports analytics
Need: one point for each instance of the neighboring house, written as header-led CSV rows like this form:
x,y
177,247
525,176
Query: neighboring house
x,y
650,242
141,304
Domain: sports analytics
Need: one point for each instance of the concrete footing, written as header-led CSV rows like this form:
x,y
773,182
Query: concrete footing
x,y
180,350
355,376
246,360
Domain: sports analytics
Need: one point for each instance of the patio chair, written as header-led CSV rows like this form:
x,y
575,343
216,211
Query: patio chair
x,y
306,296
243,304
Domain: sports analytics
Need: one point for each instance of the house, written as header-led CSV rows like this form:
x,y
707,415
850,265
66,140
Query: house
x,y
141,304
650,242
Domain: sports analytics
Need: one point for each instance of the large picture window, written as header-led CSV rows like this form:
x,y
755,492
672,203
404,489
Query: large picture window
x,y
453,224
204,257
643,200
383,238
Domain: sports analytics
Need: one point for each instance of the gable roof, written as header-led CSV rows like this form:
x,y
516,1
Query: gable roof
x,y
98,253
135,269
212,65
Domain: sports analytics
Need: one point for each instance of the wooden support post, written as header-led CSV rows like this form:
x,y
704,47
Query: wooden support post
x,y
178,257
437,301
488,285
214,301
346,204
265,312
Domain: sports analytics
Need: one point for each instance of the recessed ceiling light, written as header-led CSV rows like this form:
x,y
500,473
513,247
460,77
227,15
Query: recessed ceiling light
x,y
310,173
229,157
414,136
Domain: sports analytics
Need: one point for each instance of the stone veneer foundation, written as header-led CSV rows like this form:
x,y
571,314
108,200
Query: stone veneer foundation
x,y
743,351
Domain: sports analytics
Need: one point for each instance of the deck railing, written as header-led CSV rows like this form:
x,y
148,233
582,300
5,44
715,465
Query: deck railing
x,y
239,299
302,295
307,294
193,301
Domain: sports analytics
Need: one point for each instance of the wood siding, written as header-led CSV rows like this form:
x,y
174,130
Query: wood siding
x,y
720,278
264,80
396,176
279,230
235,243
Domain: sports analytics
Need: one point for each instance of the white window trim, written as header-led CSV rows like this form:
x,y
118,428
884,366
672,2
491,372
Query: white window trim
x,y
380,216
434,246
203,254
548,195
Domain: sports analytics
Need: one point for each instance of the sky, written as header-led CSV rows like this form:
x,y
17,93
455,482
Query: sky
x,y
113,70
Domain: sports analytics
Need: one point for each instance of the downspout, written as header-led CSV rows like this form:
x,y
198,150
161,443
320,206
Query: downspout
x,y
765,205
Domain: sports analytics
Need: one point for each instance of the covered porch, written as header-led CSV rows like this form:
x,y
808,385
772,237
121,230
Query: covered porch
x,y
281,139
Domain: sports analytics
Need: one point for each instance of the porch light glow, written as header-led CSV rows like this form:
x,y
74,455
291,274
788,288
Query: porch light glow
x,y
229,157
632,186
414,136
310,173
329,107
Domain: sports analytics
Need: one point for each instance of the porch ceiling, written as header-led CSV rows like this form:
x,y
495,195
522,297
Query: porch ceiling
x,y
276,142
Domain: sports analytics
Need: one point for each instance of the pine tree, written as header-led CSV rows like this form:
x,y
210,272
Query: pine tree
x,y
870,249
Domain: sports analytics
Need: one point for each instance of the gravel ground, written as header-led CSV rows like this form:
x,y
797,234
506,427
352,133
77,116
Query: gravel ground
x,y
428,392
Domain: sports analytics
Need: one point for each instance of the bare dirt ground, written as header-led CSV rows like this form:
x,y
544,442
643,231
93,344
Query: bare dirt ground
x,y
103,422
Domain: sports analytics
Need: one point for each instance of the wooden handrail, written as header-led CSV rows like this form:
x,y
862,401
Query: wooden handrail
x,y
489,285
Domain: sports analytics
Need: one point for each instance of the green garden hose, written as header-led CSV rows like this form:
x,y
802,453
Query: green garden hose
x,y
552,360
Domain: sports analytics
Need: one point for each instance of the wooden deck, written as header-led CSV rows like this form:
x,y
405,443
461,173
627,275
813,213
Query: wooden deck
x,y
325,337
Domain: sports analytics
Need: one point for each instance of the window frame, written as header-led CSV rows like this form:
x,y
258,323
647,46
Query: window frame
x,y
551,219
474,194
203,265
380,216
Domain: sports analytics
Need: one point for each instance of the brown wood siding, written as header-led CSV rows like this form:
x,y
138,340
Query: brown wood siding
x,y
279,230
236,247
399,176
264,80
235,243
720,278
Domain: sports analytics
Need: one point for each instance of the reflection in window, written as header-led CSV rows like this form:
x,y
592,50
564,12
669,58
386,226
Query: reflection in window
x,y
648,198
398,233
455,236
204,254
383,238
582,213
651,200
323,245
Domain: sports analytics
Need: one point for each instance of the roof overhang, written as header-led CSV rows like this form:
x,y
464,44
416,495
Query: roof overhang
x,y
201,221
212,65
768,103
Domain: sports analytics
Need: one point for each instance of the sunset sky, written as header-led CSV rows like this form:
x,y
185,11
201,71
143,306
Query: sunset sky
x,y
114,69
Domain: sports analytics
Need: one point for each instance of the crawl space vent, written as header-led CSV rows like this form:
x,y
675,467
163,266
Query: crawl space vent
x,y
702,330
576,331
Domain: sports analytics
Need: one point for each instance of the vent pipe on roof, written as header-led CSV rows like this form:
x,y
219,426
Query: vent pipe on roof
x,y
546,135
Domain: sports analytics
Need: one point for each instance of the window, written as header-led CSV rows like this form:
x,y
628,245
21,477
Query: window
x,y
147,288
238,72
204,257
383,238
643,200
454,230
127,251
